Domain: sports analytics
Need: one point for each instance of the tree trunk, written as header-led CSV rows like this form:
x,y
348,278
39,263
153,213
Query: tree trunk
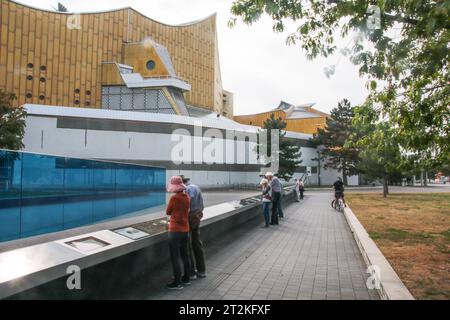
x,y
385,187
426,178
344,177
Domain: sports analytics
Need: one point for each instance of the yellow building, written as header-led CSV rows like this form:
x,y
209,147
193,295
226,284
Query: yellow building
x,y
301,118
58,58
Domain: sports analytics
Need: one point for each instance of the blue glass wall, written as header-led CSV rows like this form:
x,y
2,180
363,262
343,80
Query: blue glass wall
x,y
42,193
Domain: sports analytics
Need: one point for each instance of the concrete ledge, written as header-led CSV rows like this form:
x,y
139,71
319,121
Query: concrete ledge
x,y
112,267
391,286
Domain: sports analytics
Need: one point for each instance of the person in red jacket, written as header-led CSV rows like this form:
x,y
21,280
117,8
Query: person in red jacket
x,y
178,210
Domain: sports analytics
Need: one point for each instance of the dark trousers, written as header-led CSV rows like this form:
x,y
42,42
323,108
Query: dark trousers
x,y
196,250
266,207
276,198
280,208
301,193
178,245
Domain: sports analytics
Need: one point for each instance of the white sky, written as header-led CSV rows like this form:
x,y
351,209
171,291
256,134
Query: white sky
x,y
256,64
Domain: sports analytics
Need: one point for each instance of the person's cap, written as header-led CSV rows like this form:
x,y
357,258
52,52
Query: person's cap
x,y
264,181
269,174
176,184
185,179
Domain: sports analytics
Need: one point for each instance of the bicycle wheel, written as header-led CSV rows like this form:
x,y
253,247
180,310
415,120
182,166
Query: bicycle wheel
x,y
341,205
333,204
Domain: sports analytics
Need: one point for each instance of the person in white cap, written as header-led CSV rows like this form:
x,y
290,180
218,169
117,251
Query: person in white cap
x,y
266,200
196,249
275,186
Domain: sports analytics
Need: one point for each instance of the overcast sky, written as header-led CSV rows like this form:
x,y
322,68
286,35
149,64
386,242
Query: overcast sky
x,y
256,64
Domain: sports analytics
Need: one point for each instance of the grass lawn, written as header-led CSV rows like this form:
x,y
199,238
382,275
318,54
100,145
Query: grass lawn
x,y
413,232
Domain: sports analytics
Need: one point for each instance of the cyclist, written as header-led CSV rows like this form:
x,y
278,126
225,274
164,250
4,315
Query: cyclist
x,y
339,190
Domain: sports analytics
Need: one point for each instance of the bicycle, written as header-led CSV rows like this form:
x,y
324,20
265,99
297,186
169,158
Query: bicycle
x,y
339,204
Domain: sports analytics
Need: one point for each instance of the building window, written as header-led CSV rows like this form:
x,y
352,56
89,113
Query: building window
x,y
150,64
30,65
147,100
30,77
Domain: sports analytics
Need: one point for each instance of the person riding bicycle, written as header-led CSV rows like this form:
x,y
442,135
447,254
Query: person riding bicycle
x,y
339,190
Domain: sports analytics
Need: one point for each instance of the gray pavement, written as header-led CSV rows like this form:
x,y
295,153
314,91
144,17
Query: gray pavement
x,y
310,255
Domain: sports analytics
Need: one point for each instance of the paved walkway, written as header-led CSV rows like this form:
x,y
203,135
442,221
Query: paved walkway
x,y
310,255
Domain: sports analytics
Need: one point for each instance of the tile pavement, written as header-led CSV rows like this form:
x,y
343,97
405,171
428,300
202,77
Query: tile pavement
x,y
310,255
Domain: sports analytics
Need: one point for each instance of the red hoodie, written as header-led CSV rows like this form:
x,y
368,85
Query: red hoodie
x,y
178,210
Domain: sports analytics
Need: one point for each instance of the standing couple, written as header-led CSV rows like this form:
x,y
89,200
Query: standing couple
x,y
271,192
185,209
299,189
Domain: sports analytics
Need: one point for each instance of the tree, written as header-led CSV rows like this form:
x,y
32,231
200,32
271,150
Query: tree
x,y
400,46
333,138
378,146
12,122
289,152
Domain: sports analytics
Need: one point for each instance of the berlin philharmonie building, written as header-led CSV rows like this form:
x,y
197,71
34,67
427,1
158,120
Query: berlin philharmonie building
x,y
114,85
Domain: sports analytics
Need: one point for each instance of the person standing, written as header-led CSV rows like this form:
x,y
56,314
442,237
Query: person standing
x,y
301,188
266,200
275,186
178,210
280,202
196,250
297,190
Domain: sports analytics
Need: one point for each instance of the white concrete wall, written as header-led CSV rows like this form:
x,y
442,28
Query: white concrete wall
x,y
353,180
119,145
217,179
43,136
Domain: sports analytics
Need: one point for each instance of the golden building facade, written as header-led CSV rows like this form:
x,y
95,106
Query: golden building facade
x,y
302,118
56,58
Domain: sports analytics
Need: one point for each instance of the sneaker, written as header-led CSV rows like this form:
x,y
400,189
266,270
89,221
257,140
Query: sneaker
x,y
174,286
185,281
201,274
193,277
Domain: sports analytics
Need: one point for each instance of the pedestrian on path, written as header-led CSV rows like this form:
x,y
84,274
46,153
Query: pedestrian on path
x,y
301,188
275,186
178,210
297,190
266,200
196,249
280,203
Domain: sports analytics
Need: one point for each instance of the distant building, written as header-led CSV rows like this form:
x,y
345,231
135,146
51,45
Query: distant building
x,y
299,118
117,59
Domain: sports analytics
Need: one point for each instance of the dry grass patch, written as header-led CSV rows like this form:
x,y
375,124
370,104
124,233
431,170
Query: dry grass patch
x,y
413,232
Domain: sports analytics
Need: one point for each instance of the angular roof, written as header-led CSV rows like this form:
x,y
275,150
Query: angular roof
x,y
164,55
301,111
